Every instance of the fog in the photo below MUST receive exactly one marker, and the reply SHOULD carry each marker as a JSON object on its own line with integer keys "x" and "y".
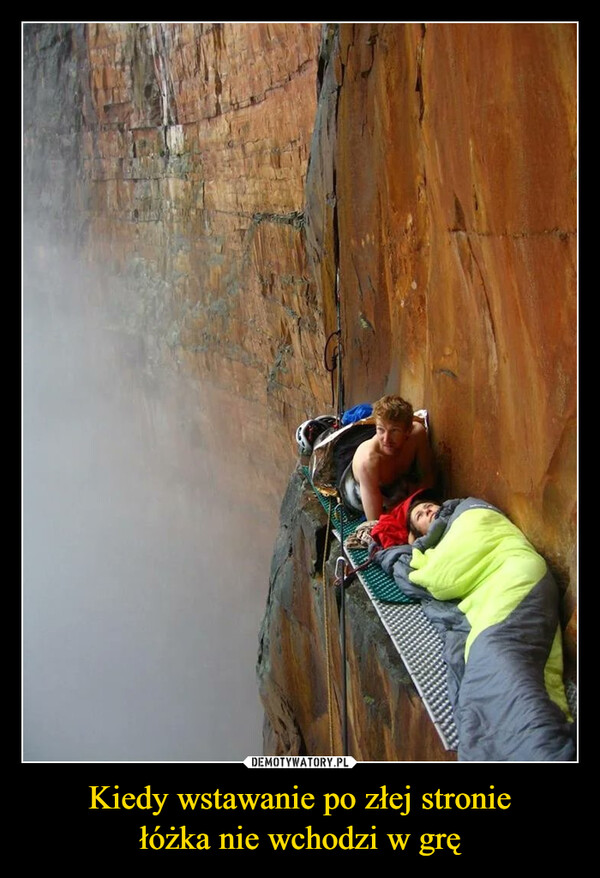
{"x": 143, "y": 585}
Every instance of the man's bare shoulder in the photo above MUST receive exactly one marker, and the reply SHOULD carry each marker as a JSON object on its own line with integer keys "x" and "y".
{"x": 418, "y": 431}
{"x": 366, "y": 457}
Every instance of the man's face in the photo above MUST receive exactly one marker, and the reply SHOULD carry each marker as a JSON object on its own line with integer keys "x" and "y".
{"x": 422, "y": 515}
{"x": 391, "y": 436}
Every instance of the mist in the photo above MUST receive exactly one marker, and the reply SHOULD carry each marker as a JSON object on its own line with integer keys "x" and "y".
{"x": 144, "y": 578}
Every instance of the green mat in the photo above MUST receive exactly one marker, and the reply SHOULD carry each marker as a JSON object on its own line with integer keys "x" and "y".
{"x": 377, "y": 582}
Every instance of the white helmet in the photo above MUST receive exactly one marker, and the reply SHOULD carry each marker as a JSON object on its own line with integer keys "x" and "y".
{"x": 310, "y": 430}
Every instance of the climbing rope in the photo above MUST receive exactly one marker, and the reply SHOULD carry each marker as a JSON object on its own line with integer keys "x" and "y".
{"x": 330, "y": 701}
{"x": 342, "y": 566}
{"x": 333, "y": 362}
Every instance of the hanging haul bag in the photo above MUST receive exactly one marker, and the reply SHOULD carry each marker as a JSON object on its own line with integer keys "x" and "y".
{"x": 334, "y": 450}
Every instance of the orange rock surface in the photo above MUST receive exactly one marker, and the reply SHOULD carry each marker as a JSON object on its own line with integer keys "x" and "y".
{"x": 454, "y": 159}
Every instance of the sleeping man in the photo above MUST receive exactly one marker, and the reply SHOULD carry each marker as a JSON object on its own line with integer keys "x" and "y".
{"x": 421, "y": 515}
{"x": 495, "y": 603}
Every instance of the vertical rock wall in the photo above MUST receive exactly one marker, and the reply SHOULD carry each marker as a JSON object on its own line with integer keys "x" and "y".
{"x": 442, "y": 182}
{"x": 444, "y": 162}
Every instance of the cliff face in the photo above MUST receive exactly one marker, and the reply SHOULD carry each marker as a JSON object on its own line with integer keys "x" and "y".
{"x": 453, "y": 149}
{"x": 442, "y": 181}
{"x": 219, "y": 173}
{"x": 182, "y": 151}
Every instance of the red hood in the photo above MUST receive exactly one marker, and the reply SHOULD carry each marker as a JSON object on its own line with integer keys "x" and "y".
{"x": 392, "y": 527}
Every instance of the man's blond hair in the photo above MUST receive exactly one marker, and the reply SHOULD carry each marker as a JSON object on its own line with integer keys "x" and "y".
{"x": 393, "y": 409}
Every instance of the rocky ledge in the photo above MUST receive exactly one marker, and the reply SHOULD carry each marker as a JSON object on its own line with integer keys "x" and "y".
{"x": 299, "y": 663}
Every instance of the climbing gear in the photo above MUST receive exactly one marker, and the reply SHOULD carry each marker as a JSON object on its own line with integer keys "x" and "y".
{"x": 309, "y": 431}
{"x": 361, "y": 538}
{"x": 342, "y": 587}
{"x": 349, "y": 572}
{"x": 340, "y": 412}
{"x": 333, "y": 452}
{"x": 333, "y": 359}
{"x": 330, "y": 361}
{"x": 357, "y": 413}
{"x": 380, "y": 585}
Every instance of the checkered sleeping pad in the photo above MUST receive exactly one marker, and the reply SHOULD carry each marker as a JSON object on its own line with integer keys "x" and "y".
{"x": 418, "y": 643}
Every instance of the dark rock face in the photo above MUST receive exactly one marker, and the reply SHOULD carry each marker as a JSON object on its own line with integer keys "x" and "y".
{"x": 53, "y": 126}
{"x": 299, "y": 665}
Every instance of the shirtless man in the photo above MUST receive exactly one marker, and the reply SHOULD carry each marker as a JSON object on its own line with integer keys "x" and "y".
{"x": 396, "y": 461}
